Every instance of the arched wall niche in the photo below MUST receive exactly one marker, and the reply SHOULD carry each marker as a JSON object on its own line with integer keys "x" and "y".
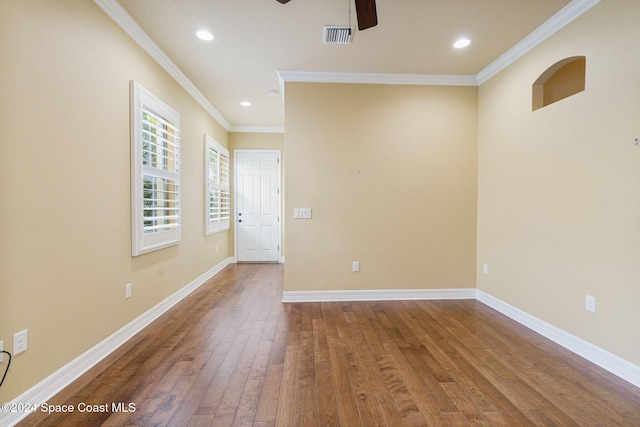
{"x": 563, "y": 79}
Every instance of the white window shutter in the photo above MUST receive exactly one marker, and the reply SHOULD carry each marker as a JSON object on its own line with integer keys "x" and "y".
{"x": 155, "y": 172}
{"x": 217, "y": 189}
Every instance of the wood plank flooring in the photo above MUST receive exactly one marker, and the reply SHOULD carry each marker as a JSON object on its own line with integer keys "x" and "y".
{"x": 231, "y": 354}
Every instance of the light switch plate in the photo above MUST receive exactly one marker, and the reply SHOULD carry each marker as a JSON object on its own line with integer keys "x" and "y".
{"x": 302, "y": 213}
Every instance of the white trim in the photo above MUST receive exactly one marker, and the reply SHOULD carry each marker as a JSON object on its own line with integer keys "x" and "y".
{"x": 60, "y": 379}
{"x": 567, "y": 14}
{"x": 142, "y": 242}
{"x": 378, "y": 295}
{"x": 56, "y": 382}
{"x": 120, "y": 16}
{"x": 218, "y": 225}
{"x": 131, "y": 27}
{"x": 609, "y": 361}
{"x": 257, "y": 129}
{"x": 378, "y": 78}
{"x": 281, "y": 82}
{"x": 594, "y": 354}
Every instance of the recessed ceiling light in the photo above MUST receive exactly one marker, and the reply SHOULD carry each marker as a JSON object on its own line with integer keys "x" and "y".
{"x": 462, "y": 43}
{"x": 245, "y": 103}
{"x": 204, "y": 35}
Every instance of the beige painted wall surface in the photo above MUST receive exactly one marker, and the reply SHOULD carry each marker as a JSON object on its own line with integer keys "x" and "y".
{"x": 256, "y": 141}
{"x": 559, "y": 205}
{"x": 390, "y": 175}
{"x": 259, "y": 141}
{"x": 65, "y": 245}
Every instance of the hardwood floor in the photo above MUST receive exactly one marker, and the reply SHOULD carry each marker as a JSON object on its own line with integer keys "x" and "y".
{"x": 231, "y": 354}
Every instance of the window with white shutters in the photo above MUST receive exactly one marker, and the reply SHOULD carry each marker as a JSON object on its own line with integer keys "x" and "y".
{"x": 217, "y": 192}
{"x": 155, "y": 172}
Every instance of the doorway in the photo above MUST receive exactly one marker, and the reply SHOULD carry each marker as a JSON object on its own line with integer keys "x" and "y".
{"x": 257, "y": 205}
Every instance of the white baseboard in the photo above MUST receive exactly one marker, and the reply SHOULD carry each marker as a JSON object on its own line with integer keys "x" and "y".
{"x": 594, "y": 354}
{"x": 609, "y": 361}
{"x": 64, "y": 376}
{"x": 60, "y": 379}
{"x": 378, "y": 295}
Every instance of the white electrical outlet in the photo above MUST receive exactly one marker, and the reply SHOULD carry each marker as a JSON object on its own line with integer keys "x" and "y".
{"x": 127, "y": 290}
{"x": 590, "y": 303}
{"x": 355, "y": 266}
{"x": 19, "y": 342}
{"x": 485, "y": 268}
{"x": 1, "y": 348}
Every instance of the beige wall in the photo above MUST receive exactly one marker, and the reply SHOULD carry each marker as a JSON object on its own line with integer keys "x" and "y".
{"x": 260, "y": 141}
{"x": 390, "y": 174}
{"x": 256, "y": 141}
{"x": 65, "y": 240}
{"x": 559, "y": 198}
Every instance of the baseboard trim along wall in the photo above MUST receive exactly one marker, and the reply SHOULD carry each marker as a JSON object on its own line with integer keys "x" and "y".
{"x": 594, "y": 354}
{"x": 60, "y": 379}
{"x": 378, "y": 295}
{"x": 56, "y": 382}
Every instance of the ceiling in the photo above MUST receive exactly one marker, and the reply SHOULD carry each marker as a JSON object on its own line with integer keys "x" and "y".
{"x": 254, "y": 39}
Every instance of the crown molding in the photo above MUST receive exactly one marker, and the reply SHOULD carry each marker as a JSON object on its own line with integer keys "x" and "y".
{"x": 378, "y": 78}
{"x": 567, "y": 14}
{"x": 550, "y": 26}
{"x": 570, "y": 12}
{"x": 131, "y": 27}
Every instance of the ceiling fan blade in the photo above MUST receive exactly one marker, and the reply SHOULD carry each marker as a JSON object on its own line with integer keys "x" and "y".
{"x": 367, "y": 15}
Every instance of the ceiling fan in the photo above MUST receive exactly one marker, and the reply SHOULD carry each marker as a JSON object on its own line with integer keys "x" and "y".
{"x": 366, "y": 12}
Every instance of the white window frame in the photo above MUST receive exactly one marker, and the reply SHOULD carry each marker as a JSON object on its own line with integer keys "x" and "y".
{"x": 156, "y": 163}
{"x": 217, "y": 189}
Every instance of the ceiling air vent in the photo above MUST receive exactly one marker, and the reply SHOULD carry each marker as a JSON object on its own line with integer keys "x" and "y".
{"x": 340, "y": 34}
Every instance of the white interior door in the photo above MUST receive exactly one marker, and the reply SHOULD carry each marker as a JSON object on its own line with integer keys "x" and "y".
{"x": 257, "y": 199}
